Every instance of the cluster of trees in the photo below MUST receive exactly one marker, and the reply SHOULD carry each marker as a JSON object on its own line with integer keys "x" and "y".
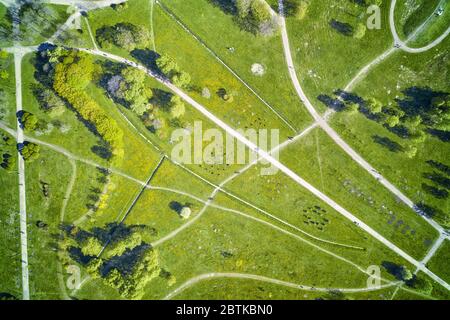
{"x": 37, "y": 19}
{"x": 415, "y": 122}
{"x": 73, "y": 72}
{"x": 49, "y": 101}
{"x": 127, "y": 263}
{"x": 28, "y": 121}
{"x": 117, "y": 248}
{"x": 132, "y": 284}
{"x": 254, "y": 16}
{"x": 123, "y": 35}
{"x": 296, "y": 8}
{"x": 30, "y": 151}
{"x": 170, "y": 69}
{"x": 8, "y": 162}
{"x": 357, "y": 31}
{"x": 440, "y": 187}
{"x": 130, "y": 86}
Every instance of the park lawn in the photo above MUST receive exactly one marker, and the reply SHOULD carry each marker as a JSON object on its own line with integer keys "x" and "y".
{"x": 283, "y": 198}
{"x": 96, "y": 289}
{"x": 368, "y": 250}
{"x": 121, "y": 194}
{"x": 170, "y": 175}
{"x": 220, "y": 242}
{"x": 318, "y": 160}
{"x": 326, "y": 60}
{"x": 245, "y": 111}
{"x": 336, "y": 230}
{"x": 83, "y": 191}
{"x": 10, "y": 258}
{"x": 84, "y": 142}
{"x": 6, "y": 24}
{"x": 137, "y": 13}
{"x": 219, "y": 32}
{"x": 139, "y": 157}
{"x": 8, "y": 86}
{"x": 409, "y": 15}
{"x": 204, "y": 69}
{"x": 400, "y": 72}
{"x": 435, "y": 29}
{"x": 78, "y": 139}
{"x": 55, "y": 170}
{"x": 156, "y": 210}
{"x": 248, "y": 289}
{"x": 439, "y": 262}
{"x": 74, "y": 38}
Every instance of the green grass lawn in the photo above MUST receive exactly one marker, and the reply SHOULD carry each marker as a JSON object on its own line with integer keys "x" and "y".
{"x": 172, "y": 176}
{"x": 409, "y": 15}
{"x": 8, "y": 88}
{"x": 10, "y": 265}
{"x": 219, "y": 242}
{"x": 53, "y": 169}
{"x": 154, "y": 209}
{"x": 326, "y": 60}
{"x": 439, "y": 262}
{"x": 322, "y": 163}
{"x": 437, "y": 26}
{"x": 220, "y": 33}
{"x": 169, "y": 38}
{"x": 391, "y": 78}
{"x": 245, "y": 111}
{"x": 245, "y": 289}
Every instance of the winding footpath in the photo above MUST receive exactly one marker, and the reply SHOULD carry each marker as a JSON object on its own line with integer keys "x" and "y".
{"x": 403, "y": 44}
{"x": 277, "y": 164}
{"x": 333, "y": 135}
{"x": 18, "y": 54}
{"x": 246, "y": 276}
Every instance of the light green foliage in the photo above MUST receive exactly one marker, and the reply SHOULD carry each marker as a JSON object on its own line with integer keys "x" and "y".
{"x": 410, "y": 151}
{"x": 134, "y": 90}
{"x": 405, "y": 273}
{"x": 392, "y": 120}
{"x": 9, "y": 162}
{"x": 71, "y": 76}
{"x": 123, "y": 35}
{"x": 91, "y": 246}
{"x": 181, "y": 79}
{"x": 254, "y": 15}
{"x": 30, "y": 151}
{"x": 302, "y": 10}
{"x": 4, "y": 75}
{"x": 360, "y": 31}
{"x": 117, "y": 248}
{"x": 374, "y": 105}
{"x": 170, "y": 68}
{"x": 29, "y": 121}
{"x": 177, "y": 108}
{"x": 352, "y": 108}
{"x": 132, "y": 285}
{"x": 93, "y": 267}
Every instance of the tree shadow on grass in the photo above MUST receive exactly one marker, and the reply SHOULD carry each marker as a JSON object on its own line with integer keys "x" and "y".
{"x": 148, "y": 58}
{"x": 387, "y": 143}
